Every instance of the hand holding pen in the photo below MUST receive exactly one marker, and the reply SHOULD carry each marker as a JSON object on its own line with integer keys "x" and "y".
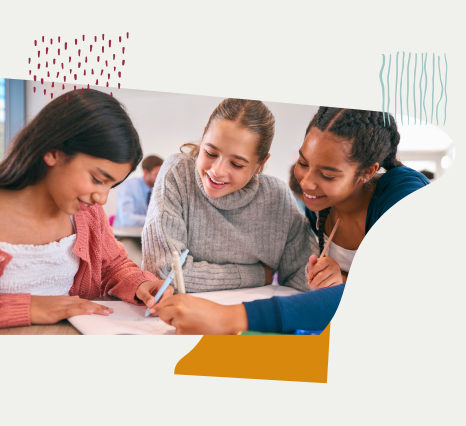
{"x": 163, "y": 288}
{"x": 324, "y": 272}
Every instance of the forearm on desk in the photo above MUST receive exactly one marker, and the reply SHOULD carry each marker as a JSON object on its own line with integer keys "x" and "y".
{"x": 204, "y": 276}
{"x": 307, "y": 311}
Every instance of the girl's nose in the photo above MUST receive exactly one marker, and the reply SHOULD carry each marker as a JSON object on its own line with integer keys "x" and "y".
{"x": 218, "y": 168}
{"x": 100, "y": 198}
{"x": 307, "y": 183}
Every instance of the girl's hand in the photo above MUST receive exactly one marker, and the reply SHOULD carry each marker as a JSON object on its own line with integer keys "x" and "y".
{"x": 148, "y": 289}
{"x": 193, "y": 315}
{"x": 51, "y": 309}
{"x": 323, "y": 272}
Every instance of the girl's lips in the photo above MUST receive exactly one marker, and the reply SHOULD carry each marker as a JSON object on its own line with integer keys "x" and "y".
{"x": 213, "y": 185}
{"x": 315, "y": 198}
{"x": 83, "y": 206}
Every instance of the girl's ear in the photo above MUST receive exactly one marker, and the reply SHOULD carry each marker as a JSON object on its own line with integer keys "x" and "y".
{"x": 260, "y": 167}
{"x": 51, "y": 157}
{"x": 369, "y": 173}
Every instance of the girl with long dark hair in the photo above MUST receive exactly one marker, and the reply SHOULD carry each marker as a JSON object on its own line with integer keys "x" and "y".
{"x": 56, "y": 246}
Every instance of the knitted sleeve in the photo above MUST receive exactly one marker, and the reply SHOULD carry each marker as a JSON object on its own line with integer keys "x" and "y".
{"x": 300, "y": 245}
{"x": 120, "y": 275}
{"x": 166, "y": 231}
{"x": 15, "y": 310}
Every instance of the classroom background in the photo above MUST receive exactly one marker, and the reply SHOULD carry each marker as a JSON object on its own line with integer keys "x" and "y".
{"x": 165, "y": 121}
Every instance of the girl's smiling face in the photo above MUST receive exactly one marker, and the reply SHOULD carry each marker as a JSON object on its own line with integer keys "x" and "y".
{"x": 227, "y": 158}
{"x": 324, "y": 172}
{"x": 79, "y": 182}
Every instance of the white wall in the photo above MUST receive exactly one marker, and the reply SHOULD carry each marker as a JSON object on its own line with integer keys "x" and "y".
{"x": 165, "y": 121}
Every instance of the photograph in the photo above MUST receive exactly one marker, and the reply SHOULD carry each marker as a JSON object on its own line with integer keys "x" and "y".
{"x": 138, "y": 212}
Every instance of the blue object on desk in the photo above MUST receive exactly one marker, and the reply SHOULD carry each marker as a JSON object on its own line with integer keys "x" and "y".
{"x": 167, "y": 282}
{"x": 305, "y": 332}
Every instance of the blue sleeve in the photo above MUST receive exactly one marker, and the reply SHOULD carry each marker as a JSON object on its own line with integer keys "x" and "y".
{"x": 307, "y": 311}
{"x": 392, "y": 187}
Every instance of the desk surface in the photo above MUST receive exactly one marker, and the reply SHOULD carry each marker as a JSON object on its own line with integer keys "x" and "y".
{"x": 127, "y": 231}
{"x": 60, "y": 328}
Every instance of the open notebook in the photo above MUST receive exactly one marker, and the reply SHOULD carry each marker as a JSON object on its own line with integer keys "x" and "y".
{"x": 129, "y": 319}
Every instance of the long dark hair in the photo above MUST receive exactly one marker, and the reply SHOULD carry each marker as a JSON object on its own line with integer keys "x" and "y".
{"x": 373, "y": 141}
{"x": 251, "y": 115}
{"x": 88, "y": 122}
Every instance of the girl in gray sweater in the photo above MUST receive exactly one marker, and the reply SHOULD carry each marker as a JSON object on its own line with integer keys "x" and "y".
{"x": 239, "y": 225}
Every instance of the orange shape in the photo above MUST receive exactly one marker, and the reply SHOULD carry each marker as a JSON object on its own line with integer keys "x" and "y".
{"x": 289, "y": 358}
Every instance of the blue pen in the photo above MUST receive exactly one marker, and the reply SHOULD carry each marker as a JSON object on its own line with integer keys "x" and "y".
{"x": 167, "y": 282}
{"x": 306, "y": 332}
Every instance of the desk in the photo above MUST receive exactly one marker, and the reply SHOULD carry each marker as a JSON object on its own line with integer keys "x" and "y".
{"x": 130, "y": 236}
{"x": 60, "y": 328}
{"x": 127, "y": 231}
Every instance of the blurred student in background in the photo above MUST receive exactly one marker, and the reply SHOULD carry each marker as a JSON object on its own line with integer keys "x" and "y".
{"x": 134, "y": 194}
{"x": 297, "y": 191}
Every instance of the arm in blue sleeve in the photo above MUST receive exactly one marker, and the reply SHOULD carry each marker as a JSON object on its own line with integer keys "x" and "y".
{"x": 126, "y": 209}
{"x": 307, "y": 311}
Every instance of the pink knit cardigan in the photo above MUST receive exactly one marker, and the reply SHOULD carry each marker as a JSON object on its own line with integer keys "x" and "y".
{"x": 104, "y": 269}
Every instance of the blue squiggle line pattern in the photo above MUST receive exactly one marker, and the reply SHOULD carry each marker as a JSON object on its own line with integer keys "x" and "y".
{"x": 436, "y": 98}
{"x": 425, "y": 86}
{"x": 440, "y": 75}
{"x": 388, "y": 89}
{"x": 446, "y": 72}
{"x": 433, "y": 82}
{"x": 401, "y": 86}
{"x": 420, "y": 88}
{"x": 407, "y": 87}
{"x": 383, "y": 89}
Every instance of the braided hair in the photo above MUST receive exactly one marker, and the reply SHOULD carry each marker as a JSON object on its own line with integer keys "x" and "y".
{"x": 373, "y": 141}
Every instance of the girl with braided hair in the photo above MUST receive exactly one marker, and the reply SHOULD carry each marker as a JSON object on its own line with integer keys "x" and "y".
{"x": 342, "y": 152}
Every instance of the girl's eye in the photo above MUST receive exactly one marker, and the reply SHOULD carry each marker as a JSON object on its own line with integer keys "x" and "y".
{"x": 326, "y": 177}
{"x": 97, "y": 181}
{"x": 302, "y": 164}
{"x": 237, "y": 166}
{"x": 209, "y": 154}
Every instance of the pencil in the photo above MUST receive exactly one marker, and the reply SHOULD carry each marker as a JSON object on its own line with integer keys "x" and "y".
{"x": 327, "y": 245}
{"x": 178, "y": 273}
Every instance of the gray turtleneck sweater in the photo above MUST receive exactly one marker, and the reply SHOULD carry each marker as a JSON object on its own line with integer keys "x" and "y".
{"x": 227, "y": 237}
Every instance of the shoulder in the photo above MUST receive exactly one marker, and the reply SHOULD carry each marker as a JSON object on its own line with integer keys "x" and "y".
{"x": 275, "y": 194}
{"x": 177, "y": 166}
{"x": 392, "y": 187}
{"x": 177, "y": 161}
{"x": 401, "y": 176}
{"x": 93, "y": 218}
{"x": 397, "y": 183}
{"x": 273, "y": 184}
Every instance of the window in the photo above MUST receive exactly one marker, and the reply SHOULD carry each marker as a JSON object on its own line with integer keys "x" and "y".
{"x": 12, "y": 110}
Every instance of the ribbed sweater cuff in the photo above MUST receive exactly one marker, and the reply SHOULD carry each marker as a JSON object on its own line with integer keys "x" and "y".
{"x": 264, "y": 315}
{"x": 251, "y": 275}
{"x": 15, "y": 310}
{"x": 126, "y": 289}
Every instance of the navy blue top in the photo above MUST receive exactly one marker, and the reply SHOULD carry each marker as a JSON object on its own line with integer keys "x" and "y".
{"x": 314, "y": 310}
{"x": 392, "y": 187}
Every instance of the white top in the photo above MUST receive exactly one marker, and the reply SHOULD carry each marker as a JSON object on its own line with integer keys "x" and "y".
{"x": 44, "y": 270}
{"x": 342, "y": 256}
